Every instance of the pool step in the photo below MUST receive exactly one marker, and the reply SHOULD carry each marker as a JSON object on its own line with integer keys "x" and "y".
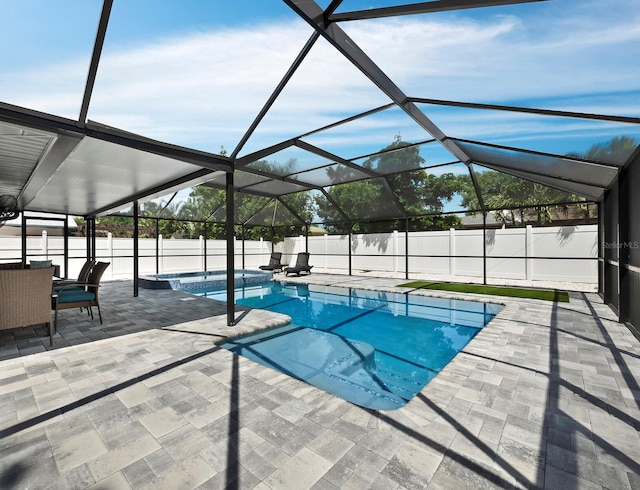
{"x": 363, "y": 374}
{"x": 348, "y": 368}
{"x": 401, "y": 385}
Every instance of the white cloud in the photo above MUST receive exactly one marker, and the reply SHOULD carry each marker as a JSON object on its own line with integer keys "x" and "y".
{"x": 496, "y": 59}
{"x": 204, "y": 90}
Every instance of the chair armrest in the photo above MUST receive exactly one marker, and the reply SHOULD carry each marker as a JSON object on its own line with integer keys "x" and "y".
{"x": 69, "y": 282}
{"x": 68, "y": 285}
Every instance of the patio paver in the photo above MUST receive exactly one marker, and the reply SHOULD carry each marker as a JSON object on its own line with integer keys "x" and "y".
{"x": 547, "y": 395}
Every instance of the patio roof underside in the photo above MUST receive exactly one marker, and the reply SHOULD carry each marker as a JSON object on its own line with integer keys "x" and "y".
{"x": 338, "y": 115}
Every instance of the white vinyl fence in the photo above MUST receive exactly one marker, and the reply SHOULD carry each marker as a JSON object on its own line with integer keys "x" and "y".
{"x": 567, "y": 254}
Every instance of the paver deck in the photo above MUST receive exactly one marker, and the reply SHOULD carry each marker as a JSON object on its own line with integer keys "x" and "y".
{"x": 546, "y": 396}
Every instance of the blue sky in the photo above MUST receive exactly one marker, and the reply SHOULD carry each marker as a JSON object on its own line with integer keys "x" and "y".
{"x": 197, "y": 72}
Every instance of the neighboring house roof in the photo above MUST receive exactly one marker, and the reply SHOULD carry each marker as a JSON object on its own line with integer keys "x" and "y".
{"x": 35, "y": 228}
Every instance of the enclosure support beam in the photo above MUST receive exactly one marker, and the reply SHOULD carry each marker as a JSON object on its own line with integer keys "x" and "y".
{"x": 484, "y": 248}
{"x": 611, "y": 238}
{"x": 93, "y": 240}
{"x": 231, "y": 320}
{"x": 242, "y": 235}
{"x": 283, "y": 82}
{"x": 95, "y": 59}
{"x": 205, "y": 232}
{"x": 476, "y": 188}
{"x": 418, "y": 8}
{"x": 90, "y": 231}
{"x": 24, "y": 240}
{"x": 623, "y": 241}
{"x": 65, "y": 241}
{"x": 311, "y": 12}
{"x": 601, "y": 218}
{"x": 629, "y": 205}
{"x": 350, "y": 227}
{"x": 406, "y": 249}
{"x": 157, "y": 246}
{"x": 136, "y": 249}
{"x": 290, "y": 209}
{"x": 87, "y": 237}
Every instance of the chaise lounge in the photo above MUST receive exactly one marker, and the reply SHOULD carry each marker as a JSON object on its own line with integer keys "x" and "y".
{"x": 274, "y": 263}
{"x": 302, "y": 265}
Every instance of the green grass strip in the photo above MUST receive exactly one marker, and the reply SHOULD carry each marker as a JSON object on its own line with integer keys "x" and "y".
{"x": 544, "y": 294}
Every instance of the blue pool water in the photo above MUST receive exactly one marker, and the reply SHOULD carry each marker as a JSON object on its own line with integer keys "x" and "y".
{"x": 372, "y": 348}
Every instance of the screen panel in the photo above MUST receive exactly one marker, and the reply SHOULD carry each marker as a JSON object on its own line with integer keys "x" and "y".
{"x": 561, "y": 168}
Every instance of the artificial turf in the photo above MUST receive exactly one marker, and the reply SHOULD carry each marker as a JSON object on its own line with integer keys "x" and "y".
{"x": 544, "y": 294}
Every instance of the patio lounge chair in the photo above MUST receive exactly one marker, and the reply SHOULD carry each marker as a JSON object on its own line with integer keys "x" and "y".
{"x": 83, "y": 276}
{"x": 79, "y": 294}
{"x": 302, "y": 265}
{"x": 274, "y": 263}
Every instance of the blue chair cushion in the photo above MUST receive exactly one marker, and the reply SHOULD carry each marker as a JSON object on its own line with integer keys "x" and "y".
{"x": 39, "y": 264}
{"x": 73, "y": 295}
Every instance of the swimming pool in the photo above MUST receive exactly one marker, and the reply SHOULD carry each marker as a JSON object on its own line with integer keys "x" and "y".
{"x": 375, "y": 349}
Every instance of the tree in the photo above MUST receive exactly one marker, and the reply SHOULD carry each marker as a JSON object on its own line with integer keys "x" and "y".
{"x": 505, "y": 192}
{"x": 616, "y": 150}
{"x": 408, "y": 186}
{"x": 509, "y": 195}
{"x": 208, "y": 203}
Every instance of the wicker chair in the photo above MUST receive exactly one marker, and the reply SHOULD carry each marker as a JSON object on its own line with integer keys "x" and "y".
{"x": 25, "y": 297}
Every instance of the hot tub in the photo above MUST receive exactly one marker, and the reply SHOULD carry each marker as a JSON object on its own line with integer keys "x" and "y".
{"x": 193, "y": 282}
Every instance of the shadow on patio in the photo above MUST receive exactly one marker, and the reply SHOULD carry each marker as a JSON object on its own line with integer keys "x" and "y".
{"x": 545, "y": 396}
{"x": 122, "y": 315}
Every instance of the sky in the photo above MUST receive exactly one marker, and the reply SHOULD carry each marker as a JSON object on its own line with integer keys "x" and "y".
{"x": 196, "y": 73}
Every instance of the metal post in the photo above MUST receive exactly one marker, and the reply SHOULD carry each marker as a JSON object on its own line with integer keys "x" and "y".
{"x": 157, "y": 246}
{"x": 230, "y": 251}
{"x": 87, "y": 236}
{"x": 204, "y": 231}
{"x": 601, "y": 249}
{"x": 624, "y": 238}
{"x": 94, "y": 249}
{"x": 306, "y": 237}
{"x": 135, "y": 249}
{"x": 406, "y": 250}
{"x": 66, "y": 246}
{"x": 24, "y": 241}
{"x": 94, "y": 253}
{"x": 484, "y": 248}
{"x": 350, "y": 249}
{"x": 242, "y": 229}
